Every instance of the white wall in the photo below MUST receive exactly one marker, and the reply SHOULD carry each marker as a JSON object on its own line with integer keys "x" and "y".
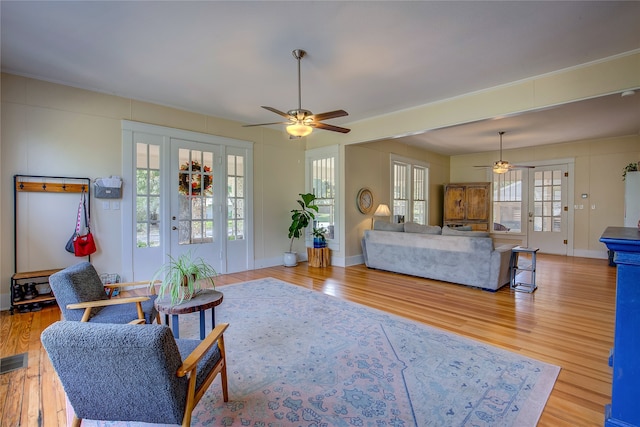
{"x": 598, "y": 168}
{"x": 55, "y": 130}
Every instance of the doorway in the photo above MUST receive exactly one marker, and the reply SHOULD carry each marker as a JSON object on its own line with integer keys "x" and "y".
{"x": 187, "y": 192}
{"x": 548, "y": 209}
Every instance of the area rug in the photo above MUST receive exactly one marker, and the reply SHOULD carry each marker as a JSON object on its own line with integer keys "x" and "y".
{"x": 297, "y": 357}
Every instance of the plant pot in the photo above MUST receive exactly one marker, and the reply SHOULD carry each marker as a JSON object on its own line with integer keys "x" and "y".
{"x": 290, "y": 259}
{"x": 319, "y": 242}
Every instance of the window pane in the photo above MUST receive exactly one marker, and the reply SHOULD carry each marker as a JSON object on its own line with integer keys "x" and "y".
{"x": 235, "y": 197}
{"x": 154, "y": 182}
{"x": 537, "y": 223}
{"x": 507, "y": 201}
{"x": 141, "y": 156}
{"x": 323, "y": 187}
{"x": 147, "y": 190}
{"x": 142, "y": 176}
{"x": 141, "y": 209}
{"x": 507, "y": 216}
{"x": 141, "y": 235}
{"x": 154, "y": 157}
{"x": 419, "y": 212}
{"x": 410, "y": 191}
{"x": 154, "y": 209}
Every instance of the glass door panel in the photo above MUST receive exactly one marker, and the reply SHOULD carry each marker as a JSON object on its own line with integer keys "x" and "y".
{"x": 195, "y": 195}
{"x": 547, "y": 213}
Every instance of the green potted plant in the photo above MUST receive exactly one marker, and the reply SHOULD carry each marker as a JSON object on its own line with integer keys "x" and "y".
{"x": 631, "y": 167}
{"x": 182, "y": 277}
{"x": 300, "y": 220}
{"x": 319, "y": 237}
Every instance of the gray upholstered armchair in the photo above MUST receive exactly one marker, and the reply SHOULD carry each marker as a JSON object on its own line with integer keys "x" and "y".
{"x": 82, "y": 297}
{"x": 158, "y": 379}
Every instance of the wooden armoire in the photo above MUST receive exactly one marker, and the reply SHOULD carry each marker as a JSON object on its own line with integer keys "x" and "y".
{"x": 467, "y": 203}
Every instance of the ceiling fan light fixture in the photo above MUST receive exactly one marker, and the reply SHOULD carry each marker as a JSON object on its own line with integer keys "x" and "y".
{"x": 501, "y": 167}
{"x": 299, "y": 130}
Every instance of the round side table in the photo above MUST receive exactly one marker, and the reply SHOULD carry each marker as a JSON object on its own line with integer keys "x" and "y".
{"x": 203, "y": 300}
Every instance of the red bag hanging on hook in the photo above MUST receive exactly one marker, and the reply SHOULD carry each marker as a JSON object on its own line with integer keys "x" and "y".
{"x": 84, "y": 244}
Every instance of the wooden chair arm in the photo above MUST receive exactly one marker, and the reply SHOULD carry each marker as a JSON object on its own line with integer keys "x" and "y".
{"x": 111, "y": 287}
{"x": 106, "y": 302}
{"x": 191, "y": 362}
{"x": 88, "y": 305}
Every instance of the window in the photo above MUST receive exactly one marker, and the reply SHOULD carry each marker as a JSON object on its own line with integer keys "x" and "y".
{"x": 410, "y": 185}
{"x": 507, "y": 201}
{"x": 235, "y": 197}
{"x": 322, "y": 173}
{"x": 147, "y": 195}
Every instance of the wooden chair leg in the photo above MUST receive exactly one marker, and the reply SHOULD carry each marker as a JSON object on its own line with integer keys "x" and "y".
{"x": 76, "y": 421}
{"x": 223, "y": 376}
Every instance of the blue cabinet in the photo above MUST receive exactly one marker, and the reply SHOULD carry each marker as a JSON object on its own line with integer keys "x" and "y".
{"x": 624, "y": 409}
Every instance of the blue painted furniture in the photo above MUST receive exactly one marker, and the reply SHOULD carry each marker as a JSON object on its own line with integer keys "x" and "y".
{"x": 624, "y": 409}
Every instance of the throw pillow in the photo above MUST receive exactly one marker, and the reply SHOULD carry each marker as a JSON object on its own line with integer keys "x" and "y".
{"x": 387, "y": 226}
{"x": 412, "y": 227}
{"x": 446, "y": 231}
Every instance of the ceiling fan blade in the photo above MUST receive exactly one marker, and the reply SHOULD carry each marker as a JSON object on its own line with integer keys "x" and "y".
{"x": 523, "y": 167}
{"x": 266, "y": 124}
{"x": 280, "y": 113}
{"x": 330, "y": 127}
{"x": 329, "y": 115}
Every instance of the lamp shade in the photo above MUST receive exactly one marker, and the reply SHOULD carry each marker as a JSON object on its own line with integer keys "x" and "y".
{"x": 382, "y": 210}
{"x": 299, "y": 129}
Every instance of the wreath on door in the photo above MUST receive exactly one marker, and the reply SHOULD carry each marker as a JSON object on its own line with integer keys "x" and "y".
{"x": 193, "y": 183}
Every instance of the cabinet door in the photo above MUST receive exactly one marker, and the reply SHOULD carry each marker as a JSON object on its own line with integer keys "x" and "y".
{"x": 454, "y": 203}
{"x": 477, "y": 203}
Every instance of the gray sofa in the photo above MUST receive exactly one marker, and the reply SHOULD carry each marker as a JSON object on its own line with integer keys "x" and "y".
{"x": 464, "y": 257}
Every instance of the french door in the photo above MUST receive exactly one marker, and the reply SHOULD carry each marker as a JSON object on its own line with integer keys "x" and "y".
{"x": 188, "y": 192}
{"x": 196, "y": 197}
{"x": 548, "y": 209}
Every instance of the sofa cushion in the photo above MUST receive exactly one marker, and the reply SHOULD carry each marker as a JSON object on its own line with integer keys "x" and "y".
{"x": 387, "y": 226}
{"x": 412, "y": 227}
{"x": 446, "y": 231}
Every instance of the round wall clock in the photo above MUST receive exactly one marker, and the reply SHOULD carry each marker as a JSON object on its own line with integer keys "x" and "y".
{"x": 364, "y": 200}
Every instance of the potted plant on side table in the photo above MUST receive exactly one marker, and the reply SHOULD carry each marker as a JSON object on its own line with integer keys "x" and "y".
{"x": 300, "y": 220}
{"x": 319, "y": 237}
{"x": 182, "y": 277}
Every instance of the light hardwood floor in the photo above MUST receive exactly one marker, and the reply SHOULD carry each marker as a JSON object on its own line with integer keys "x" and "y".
{"x": 568, "y": 322}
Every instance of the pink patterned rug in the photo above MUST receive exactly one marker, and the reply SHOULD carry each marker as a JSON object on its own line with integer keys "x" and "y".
{"x": 297, "y": 357}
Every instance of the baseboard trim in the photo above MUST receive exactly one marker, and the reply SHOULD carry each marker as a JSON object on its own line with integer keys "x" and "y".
{"x": 584, "y": 253}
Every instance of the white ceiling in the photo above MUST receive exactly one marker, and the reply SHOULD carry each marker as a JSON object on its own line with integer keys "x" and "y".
{"x": 226, "y": 59}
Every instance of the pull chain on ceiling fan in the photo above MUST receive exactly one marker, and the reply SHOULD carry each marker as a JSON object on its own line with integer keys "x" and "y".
{"x": 503, "y": 166}
{"x": 300, "y": 121}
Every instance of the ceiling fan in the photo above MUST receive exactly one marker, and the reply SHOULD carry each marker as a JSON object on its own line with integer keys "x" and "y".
{"x": 503, "y": 166}
{"x": 300, "y": 121}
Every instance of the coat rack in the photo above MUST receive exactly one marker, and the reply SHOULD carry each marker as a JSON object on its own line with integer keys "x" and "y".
{"x": 40, "y": 184}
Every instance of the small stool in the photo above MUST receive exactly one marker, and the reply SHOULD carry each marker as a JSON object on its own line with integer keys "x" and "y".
{"x": 523, "y": 276}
